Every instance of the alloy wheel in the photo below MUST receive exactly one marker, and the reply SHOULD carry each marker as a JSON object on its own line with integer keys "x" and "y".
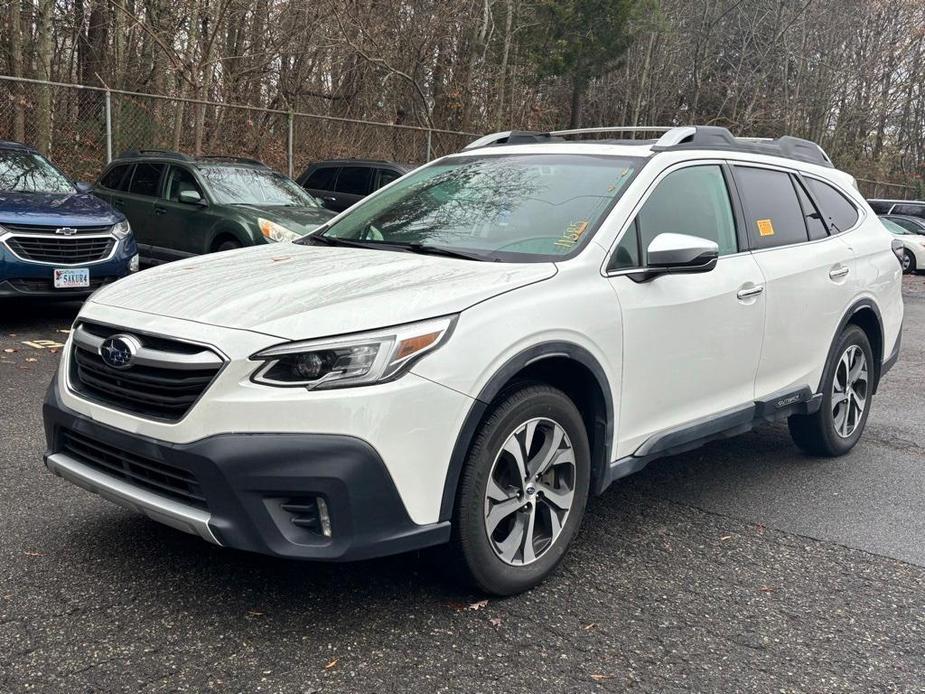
{"x": 530, "y": 491}
{"x": 850, "y": 389}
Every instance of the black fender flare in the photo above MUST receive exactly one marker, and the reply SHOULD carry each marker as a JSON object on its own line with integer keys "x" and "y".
{"x": 496, "y": 384}
{"x": 846, "y": 318}
{"x": 238, "y": 233}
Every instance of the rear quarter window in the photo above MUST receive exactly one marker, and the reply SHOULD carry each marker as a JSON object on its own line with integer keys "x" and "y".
{"x": 839, "y": 212}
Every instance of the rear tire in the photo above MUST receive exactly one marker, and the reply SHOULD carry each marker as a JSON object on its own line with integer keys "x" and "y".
{"x": 847, "y": 391}
{"x": 523, "y": 491}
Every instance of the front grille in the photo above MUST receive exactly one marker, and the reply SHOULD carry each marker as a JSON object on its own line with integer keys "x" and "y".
{"x": 33, "y": 285}
{"x": 153, "y": 475}
{"x": 45, "y": 229}
{"x": 166, "y": 378}
{"x": 67, "y": 251}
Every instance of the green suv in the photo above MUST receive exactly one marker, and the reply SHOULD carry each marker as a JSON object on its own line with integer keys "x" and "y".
{"x": 180, "y": 206}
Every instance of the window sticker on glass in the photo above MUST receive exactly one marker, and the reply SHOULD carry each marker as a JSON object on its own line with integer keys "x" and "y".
{"x": 572, "y": 234}
{"x": 765, "y": 228}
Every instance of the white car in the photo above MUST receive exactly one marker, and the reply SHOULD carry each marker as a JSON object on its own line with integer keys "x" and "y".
{"x": 471, "y": 352}
{"x": 913, "y": 254}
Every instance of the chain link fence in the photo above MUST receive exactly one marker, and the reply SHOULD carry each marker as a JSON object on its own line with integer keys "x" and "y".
{"x": 82, "y": 128}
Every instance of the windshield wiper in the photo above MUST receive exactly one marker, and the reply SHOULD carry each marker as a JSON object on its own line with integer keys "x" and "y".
{"x": 347, "y": 243}
{"x": 424, "y": 249}
{"x": 412, "y": 247}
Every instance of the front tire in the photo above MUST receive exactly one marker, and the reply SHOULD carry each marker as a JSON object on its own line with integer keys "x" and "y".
{"x": 908, "y": 262}
{"x": 847, "y": 389}
{"x": 523, "y": 491}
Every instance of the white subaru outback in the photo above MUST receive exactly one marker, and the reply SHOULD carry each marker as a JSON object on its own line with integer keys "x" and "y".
{"x": 468, "y": 354}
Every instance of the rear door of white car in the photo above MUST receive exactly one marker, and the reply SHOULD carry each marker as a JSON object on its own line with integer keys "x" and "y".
{"x": 807, "y": 273}
{"x": 691, "y": 342}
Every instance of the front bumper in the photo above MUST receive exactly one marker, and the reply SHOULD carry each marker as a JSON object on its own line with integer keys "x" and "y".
{"x": 27, "y": 279}
{"x": 246, "y": 479}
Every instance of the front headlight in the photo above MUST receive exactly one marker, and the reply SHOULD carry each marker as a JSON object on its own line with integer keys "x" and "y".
{"x": 351, "y": 360}
{"x": 122, "y": 229}
{"x": 276, "y": 232}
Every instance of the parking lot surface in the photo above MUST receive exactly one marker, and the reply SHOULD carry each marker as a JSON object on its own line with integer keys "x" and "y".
{"x": 742, "y": 566}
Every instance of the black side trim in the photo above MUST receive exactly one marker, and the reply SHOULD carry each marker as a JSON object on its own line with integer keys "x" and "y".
{"x": 891, "y": 360}
{"x": 494, "y": 386}
{"x": 849, "y": 314}
{"x": 727, "y": 424}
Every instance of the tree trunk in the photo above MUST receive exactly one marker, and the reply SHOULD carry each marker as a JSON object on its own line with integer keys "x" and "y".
{"x": 15, "y": 43}
{"x": 43, "y": 54}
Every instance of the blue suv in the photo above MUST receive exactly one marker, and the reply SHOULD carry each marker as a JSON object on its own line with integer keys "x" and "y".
{"x": 56, "y": 238}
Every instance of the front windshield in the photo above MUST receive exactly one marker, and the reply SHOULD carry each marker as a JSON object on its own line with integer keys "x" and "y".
{"x": 518, "y": 207}
{"x": 27, "y": 172}
{"x": 244, "y": 185}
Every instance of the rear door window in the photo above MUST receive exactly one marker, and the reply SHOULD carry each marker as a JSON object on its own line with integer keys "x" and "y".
{"x": 115, "y": 178}
{"x": 147, "y": 178}
{"x": 773, "y": 215}
{"x": 840, "y": 213}
{"x": 323, "y": 178}
{"x": 355, "y": 180}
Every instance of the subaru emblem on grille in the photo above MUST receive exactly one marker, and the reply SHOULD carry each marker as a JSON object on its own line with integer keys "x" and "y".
{"x": 66, "y": 231}
{"x": 119, "y": 351}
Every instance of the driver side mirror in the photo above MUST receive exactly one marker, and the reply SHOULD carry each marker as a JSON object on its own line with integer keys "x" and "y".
{"x": 678, "y": 253}
{"x": 190, "y": 197}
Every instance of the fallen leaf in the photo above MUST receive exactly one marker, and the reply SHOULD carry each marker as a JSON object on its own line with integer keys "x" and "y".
{"x": 725, "y": 537}
{"x": 34, "y": 554}
{"x": 331, "y": 664}
{"x": 31, "y": 359}
{"x": 495, "y": 621}
{"x": 767, "y": 589}
{"x": 10, "y": 350}
{"x": 588, "y": 627}
{"x": 254, "y": 613}
{"x": 601, "y": 678}
{"x": 477, "y": 605}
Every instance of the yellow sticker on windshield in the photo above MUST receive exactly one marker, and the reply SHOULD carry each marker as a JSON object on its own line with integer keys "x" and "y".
{"x": 765, "y": 228}
{"x": 572, "y": 234}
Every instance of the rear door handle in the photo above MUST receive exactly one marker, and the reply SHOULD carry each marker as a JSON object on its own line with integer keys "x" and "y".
{"x": 159, "y": 210}
{"x": 750, "y": 292}
{"x": 840, "y": 271}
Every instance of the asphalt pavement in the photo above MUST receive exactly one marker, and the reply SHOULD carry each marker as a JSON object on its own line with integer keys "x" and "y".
{"x": 742, "y": 566}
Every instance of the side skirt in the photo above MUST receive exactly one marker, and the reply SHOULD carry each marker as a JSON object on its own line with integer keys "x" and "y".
{"x": 724, "y": 425}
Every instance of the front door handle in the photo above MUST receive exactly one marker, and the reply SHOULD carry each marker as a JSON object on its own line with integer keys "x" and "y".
{"x": 159, "y": 210}
{"x": 750, "y": 292}
{"x": 838, "y": 272}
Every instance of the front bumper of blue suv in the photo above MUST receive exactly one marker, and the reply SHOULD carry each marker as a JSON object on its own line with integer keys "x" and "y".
{"x": 22, "y": 276}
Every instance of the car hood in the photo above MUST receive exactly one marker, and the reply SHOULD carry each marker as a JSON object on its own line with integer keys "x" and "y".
{"x": 301, "y": 220}
{"x": 56, "y": 209}
{"x": 300, "y": 292}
